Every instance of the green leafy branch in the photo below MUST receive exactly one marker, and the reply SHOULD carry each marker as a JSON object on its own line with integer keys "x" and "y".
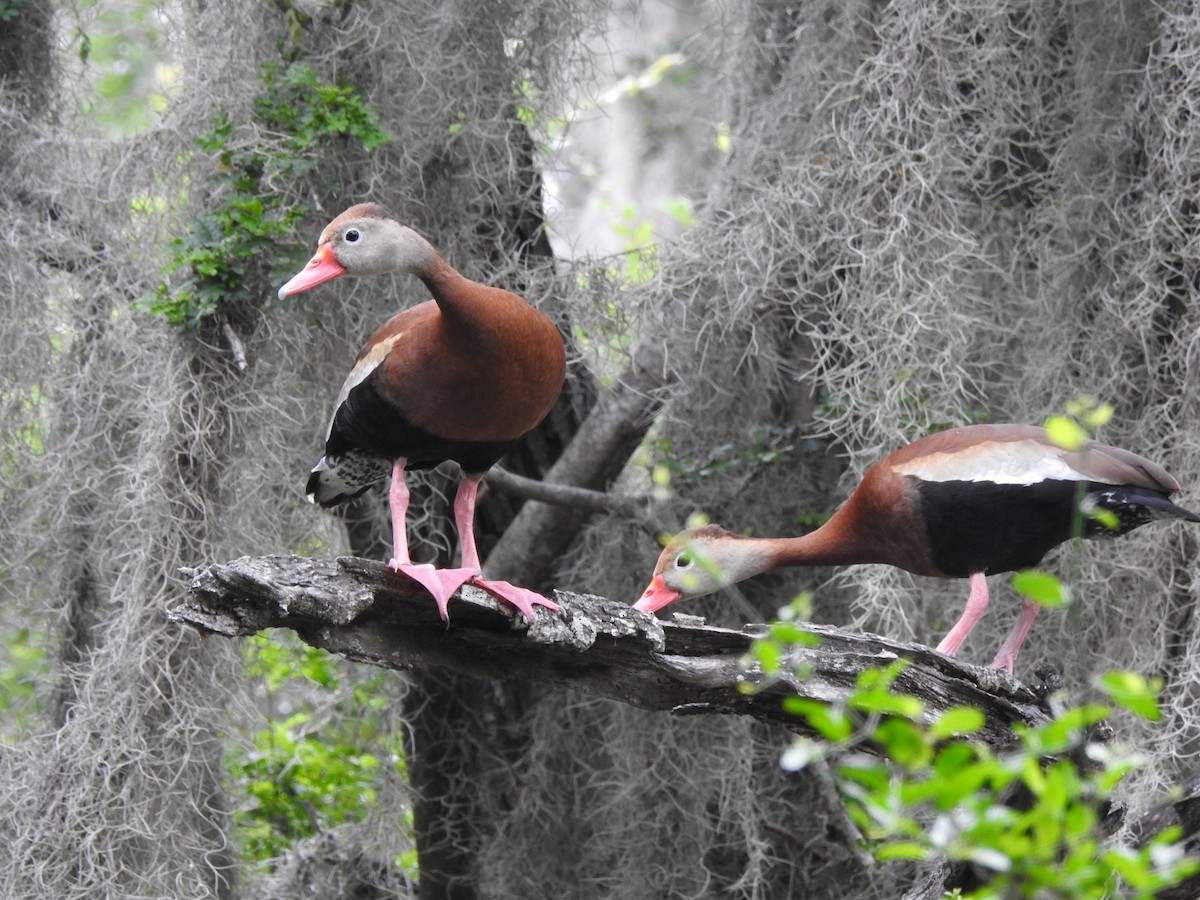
{"x": 1030, "y": 820}
{"x": 232, "y": 254}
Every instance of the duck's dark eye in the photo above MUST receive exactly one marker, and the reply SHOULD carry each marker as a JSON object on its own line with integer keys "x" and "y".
{"x": 684, "y": 560}
{"x": 352, "y": 236}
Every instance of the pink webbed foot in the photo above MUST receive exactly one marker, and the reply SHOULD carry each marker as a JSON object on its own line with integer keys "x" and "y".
{"x": 522, "y": 598}
{"x": 441, "y": 583}
{"x": 464, "y": 517}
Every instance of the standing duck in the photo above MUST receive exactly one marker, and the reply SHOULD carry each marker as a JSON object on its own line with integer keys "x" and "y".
{"x": 964, "y": 503}
{"x": 460, "y": 377}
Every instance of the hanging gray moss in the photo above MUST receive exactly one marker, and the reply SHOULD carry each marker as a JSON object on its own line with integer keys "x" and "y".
{"x": 927, "y": 215}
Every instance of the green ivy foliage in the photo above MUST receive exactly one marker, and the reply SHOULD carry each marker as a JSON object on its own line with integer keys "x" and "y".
{"x": 1030, "y": 819}
{"x": 232, "y": 254}
{"x": 10, "y": 9}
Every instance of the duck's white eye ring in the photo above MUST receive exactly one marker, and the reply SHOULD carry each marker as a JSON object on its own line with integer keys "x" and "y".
{"x": 352, "y": 235}
{"x": 684, "y": 560}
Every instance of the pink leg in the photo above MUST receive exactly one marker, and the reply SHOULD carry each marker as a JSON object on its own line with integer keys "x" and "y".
{"x": 464, "y": 517}
{"x": 398, "y": 501}
{"x": 464, "y": 520}
{"x": 1006, "y": 656}
{"x": 976, "y": 604}
{"x": 441, "y": 583}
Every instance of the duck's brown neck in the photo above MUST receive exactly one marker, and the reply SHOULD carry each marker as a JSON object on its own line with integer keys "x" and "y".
{"x": 446, "y": 285}
{"x": 833, "y": 544}
{"x": 845, "y": 539}
{"x": 474, "y": 309}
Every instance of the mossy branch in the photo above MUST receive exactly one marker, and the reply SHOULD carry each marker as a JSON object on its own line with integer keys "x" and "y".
{"x": 362, "y": 610}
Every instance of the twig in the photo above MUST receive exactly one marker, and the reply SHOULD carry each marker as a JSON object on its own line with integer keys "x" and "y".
{"x": 235, "y": 346}
{"x": 568, "y": 495}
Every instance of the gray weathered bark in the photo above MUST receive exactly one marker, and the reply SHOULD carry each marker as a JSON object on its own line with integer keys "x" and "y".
{"x": 360, "y": 609}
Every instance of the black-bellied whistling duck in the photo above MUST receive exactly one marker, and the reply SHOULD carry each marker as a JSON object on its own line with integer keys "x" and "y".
{"x": 964, "y": 503}
{"x": 460, "y": 377}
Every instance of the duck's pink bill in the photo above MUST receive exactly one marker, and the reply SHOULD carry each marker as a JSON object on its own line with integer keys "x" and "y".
{"x": 321, "y": 268}
{"x": 656, "y": 596}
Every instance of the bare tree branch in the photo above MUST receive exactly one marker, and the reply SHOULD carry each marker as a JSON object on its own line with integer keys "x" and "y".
{"x": 364, "y": 611}
{"x": 567, "y": 495}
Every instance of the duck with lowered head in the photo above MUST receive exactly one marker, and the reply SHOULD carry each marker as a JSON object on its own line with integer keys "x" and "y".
{"x": 964, "y": 503}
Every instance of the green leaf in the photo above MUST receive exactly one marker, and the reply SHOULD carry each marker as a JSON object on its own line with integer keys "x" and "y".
{"x": 902, "y": 850}
{"x": 950, "y": 790}
{"x": 905, "y": 742}
{"x": 1063, "y": 732}
{"x": 866, "y": 771}
{"x": 957, "y": 720}
{"x": 1107, "y": 781}
{"x": 723, "y": 137}
{"x": 1135, "y": 692}
{"x": 1042, "y": 588}
{"x": 790, "y": 634}
{"x": 832, "y": 723}
{"x": 1105, "y": 517}
{"x": 890, "y": 704}
{"x": 768, "y": 653}
{"x": 1079, "y": 820}
{"x": 1066, "y": 432}
{"x": 880, "y": 678}
{"x": 954, "y": 757}
{"x": 1090, "y": 412}
{"x": 680, "y": 209}
{"x": 1132, "y": 870}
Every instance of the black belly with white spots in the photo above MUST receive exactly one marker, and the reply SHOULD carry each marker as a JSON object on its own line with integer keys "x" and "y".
{"x": 980, "y": 526}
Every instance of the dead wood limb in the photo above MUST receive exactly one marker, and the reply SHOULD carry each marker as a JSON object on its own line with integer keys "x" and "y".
{"x": 362, "y": 610}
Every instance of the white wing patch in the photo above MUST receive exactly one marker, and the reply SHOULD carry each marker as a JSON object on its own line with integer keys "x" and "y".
{"x": 359, "y": 373}
{"x": 1007, "y": 462}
